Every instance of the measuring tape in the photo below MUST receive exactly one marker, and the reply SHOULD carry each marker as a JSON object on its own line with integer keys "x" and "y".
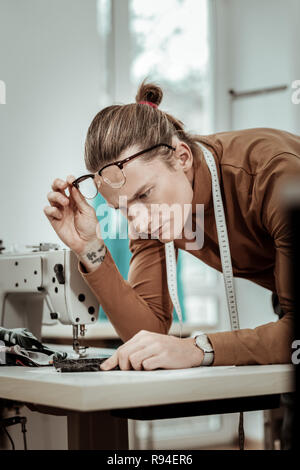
{"x": 225, "y": 260}
{"x": 223, "y": 240}
{"x": 223, "y": 246}
{"x": 172, "y": 280}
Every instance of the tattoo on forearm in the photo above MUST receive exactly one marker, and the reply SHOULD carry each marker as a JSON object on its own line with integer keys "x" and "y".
{"x": 93, "y": 256}
{"x": 98, "y": 260}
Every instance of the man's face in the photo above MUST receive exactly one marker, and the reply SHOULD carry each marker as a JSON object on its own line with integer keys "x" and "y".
{"x": 160, "y": 193}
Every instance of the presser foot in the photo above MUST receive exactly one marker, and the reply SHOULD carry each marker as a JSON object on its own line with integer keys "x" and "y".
{"x": 80, "y": 350}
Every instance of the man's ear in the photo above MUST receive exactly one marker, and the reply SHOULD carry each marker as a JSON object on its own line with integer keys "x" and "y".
{"x": 184, "y": 156}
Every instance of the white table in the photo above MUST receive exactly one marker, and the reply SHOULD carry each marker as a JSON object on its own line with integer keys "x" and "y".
{"x": 97, "y": 401}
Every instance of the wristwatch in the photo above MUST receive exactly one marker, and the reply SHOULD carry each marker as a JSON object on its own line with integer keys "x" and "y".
{"x": 202, "y": 342}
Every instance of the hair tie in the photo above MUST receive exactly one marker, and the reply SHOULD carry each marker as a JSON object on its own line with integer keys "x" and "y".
{"x": 149, "y": 103}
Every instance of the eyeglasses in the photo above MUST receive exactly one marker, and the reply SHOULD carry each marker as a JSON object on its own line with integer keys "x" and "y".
{"x": 112, "y": 174}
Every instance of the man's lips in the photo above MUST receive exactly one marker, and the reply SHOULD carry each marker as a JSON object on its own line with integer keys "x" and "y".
{"x": 154, "y": 233}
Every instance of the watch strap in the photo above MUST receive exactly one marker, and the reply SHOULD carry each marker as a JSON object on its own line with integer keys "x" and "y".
{"x": 208, "y": 356}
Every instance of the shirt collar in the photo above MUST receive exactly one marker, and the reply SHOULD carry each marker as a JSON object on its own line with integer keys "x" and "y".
{"x": 202, "y": 190}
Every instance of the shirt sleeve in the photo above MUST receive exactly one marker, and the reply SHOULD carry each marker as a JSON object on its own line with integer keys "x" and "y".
{"x": 269, "y": 343}
{"x": 140, "y": 303}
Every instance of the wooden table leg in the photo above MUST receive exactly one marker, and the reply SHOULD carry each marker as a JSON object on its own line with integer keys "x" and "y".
{"x": 97, "y": 430}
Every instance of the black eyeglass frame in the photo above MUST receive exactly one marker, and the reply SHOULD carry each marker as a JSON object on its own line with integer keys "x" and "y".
{"x": 119, "y": 164}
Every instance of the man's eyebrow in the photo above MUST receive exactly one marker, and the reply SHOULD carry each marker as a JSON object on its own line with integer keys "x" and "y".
{"x": 137, "y": 193}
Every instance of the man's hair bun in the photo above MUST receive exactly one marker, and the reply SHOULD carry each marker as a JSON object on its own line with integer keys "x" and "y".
{"x": 149, "y": 92}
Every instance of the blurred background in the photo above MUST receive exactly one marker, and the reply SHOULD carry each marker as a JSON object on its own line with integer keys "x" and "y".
{"x": 222, "y": 65}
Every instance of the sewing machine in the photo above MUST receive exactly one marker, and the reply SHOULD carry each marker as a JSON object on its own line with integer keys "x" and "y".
{"x": 43, "y": 286}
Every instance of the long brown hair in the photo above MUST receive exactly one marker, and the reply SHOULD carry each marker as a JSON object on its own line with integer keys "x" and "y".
{"x": 117, "y": 127}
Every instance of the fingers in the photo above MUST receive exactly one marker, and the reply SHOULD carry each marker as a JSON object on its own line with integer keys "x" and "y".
{"x": 111, "y": 362}
{"x": 154, "y": 362}
{"x": 79, "y": 199}
{"x": 76, "y": 195}
{"x": 55, "y": 197}
{"x": 70, "y": 179}
{"x": 132, "y": 354}
{"x": 52, "y": 213}
{"x": 58, "y": 198}
{"x": 120, "y": 357}
{"x": 60, "y": 185}
{"x": 145, "y": 358}
{"x": 139, "y": 358}
{"x": 127, "y": 352}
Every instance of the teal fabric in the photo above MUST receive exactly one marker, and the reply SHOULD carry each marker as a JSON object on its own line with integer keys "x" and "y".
{"x": 119, "y": 249}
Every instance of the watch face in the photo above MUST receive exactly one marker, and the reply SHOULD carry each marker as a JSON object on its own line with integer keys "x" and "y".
{"x": 203, "y": 343}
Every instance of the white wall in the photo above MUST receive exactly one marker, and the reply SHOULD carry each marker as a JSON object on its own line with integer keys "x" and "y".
{"x": 257, "y": 46}
{"x": 295, "y": 64}
{"x": 50, "y": 62}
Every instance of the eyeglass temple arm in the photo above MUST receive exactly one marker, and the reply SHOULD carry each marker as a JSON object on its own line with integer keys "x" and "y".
{"x": 121, "y": 163}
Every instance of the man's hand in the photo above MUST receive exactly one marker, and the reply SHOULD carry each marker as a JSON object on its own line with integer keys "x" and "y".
{"x": 147, "y": 351}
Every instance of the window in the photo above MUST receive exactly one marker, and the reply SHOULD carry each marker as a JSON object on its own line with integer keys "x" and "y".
{"x": 167, "y": 42}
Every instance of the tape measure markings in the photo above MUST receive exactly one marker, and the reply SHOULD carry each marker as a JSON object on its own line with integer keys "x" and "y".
{"x": 225, "y": 260}
{"x": 223, "y": 246}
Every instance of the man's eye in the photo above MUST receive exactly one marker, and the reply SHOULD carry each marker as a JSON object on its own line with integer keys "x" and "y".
{"x": 144, "y": 195}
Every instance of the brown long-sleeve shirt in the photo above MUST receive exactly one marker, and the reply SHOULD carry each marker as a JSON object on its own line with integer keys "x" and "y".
{"x": 252, "y": 165}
